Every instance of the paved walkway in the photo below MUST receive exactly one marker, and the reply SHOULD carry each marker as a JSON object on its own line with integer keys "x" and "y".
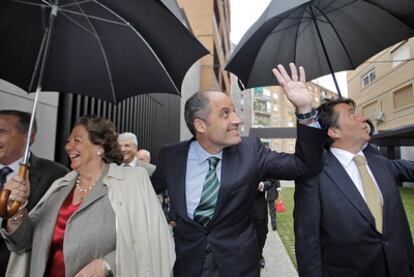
{"x": 278, "y": 263}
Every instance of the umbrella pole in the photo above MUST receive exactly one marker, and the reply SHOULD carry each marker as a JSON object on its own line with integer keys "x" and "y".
{"x": 315, "y": 21}
{"x": 5, "y": 211}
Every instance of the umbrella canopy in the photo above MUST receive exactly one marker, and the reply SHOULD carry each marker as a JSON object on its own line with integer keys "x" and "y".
{"x": 101, "y": 48}
{"x": 106, "y": 49}
{"x": 324, "y": 36}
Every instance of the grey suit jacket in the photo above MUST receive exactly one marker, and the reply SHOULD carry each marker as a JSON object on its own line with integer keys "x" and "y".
{"x": 150, "y": 168}
{"x": 90, "y": 232}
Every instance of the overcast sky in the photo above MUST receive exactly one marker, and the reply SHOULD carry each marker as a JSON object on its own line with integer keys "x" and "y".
{"x": 245, "y": 12}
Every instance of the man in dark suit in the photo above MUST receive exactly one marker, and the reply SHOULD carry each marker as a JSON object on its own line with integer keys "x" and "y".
{"x": 350, "y": 221}
{"x": 13, "y": 131}
{"x": 212, "y": 180}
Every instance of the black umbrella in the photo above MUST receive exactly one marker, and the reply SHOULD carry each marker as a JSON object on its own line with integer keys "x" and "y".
{"x": 324, "y": 36}
{"x": 101, "y": 48}
{"x": 109, "y": 49}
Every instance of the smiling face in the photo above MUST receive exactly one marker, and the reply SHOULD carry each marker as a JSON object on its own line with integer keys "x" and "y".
{"x": 220, "y": 129}
{"x": 351, "y": 132}
{"x": 128, "y": 149}
{"x": 83, "y": 154}
{"x": 12, "y": 141}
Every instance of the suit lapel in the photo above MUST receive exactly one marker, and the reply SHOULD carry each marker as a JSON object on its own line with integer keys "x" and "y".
{"x": 229, "y": 167}
{"x": 34, "y": 176}
{"x": 180, "y": 168}
{"x": 340, "y": 178}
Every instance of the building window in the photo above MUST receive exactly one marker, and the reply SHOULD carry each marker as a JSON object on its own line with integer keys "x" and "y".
{"x": 370, "y": 109}
{"x": 401, "y": 54}
{"x": 261, "y": 106}
{"x": 403, "y": 97}
{"x": 368, "y": 78}
{"x": 261, "y": 120}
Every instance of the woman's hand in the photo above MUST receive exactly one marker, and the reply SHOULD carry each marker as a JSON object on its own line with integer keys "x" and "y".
{"x": 96, "y": 268}
{"x": 19, "y": 189}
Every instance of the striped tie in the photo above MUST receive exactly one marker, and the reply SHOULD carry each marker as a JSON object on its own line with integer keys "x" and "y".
{"x": 371, "y": 193}
{"x": 205, "y": 209}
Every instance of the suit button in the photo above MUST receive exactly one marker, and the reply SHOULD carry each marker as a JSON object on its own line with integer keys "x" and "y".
{"x": 208, "y": 249}
{"x": 384, "y": 243}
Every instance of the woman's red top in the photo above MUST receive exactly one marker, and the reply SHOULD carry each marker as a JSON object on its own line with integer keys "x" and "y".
{"x": 56, "y": 263}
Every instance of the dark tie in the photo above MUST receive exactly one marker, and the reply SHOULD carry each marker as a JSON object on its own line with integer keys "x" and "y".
{"x": 205, "y": 209}
{"x": 3, "y": 174}
{"x": 371, "y": 193}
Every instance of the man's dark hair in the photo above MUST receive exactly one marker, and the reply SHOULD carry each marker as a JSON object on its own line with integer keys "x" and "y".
{"x": 327, "y": 114}
{"x": 23, "y": 120}
{"x": 197, "y": 106}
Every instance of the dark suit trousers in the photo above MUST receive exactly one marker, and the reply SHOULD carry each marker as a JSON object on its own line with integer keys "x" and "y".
{"x": 210, "y": 268}
{"x": 272, "y": 214}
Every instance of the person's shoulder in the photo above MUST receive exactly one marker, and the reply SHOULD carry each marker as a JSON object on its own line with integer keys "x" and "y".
{"x": 174, "y": 146}
{"x": 51, "y": 166}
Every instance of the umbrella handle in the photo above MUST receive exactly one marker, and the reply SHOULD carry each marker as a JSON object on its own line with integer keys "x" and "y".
{"x": 5, "y": 210}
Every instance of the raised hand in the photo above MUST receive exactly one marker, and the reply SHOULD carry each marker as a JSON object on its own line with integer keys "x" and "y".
{"x": 294, "y": 87}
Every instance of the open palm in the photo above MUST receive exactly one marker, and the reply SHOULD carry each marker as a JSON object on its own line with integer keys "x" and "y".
{"x": 294, "y": 87}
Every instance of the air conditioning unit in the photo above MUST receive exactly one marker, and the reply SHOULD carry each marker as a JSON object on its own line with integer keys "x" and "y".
{"x": 378, "y": 116}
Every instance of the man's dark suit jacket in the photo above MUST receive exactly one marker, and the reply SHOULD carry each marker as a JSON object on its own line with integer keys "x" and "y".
{"x": 335, "y": 231}
{"x": 230, "y": 235}
{"x": 42, "y": 173}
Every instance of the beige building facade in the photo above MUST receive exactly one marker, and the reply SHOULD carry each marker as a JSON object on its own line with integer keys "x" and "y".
{"x": 383, "y": 86}
{"x": 210, "y": 23}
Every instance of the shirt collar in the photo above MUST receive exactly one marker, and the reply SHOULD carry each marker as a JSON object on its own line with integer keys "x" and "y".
{"x": 344, "y": 157}
{"x": 201, "y": 155}
{"x": 132, "y": 163}
{"x": 14, "y": 165}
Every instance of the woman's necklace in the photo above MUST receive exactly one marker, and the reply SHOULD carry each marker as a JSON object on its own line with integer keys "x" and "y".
{"x": 80, "y": 189}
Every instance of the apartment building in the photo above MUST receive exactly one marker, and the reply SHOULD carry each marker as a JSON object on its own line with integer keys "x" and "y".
{"x": 210, "y": 23}
{"x": 382, "y": 87}
{"x": 268, "y": 107}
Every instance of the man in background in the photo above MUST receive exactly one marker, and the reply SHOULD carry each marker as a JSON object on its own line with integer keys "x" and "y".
{"x": 144, "y": 155}
{"x": 129, "y": 147}
{"x": 14, "y": 126}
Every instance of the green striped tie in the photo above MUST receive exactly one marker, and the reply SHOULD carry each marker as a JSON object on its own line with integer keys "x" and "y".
{"x": 205, "y": 209}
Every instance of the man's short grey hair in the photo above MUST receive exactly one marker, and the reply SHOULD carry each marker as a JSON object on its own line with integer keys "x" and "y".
{"x": 197, "y": 106}
{"x": 128, "y": 136}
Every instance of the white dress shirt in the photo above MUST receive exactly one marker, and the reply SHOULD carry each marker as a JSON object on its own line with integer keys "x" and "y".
{"x": 132, "y": 163}
{"x": 347, "y": 160}
{"x": 15, "y": 166}
{"x": 197, "y": 168}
